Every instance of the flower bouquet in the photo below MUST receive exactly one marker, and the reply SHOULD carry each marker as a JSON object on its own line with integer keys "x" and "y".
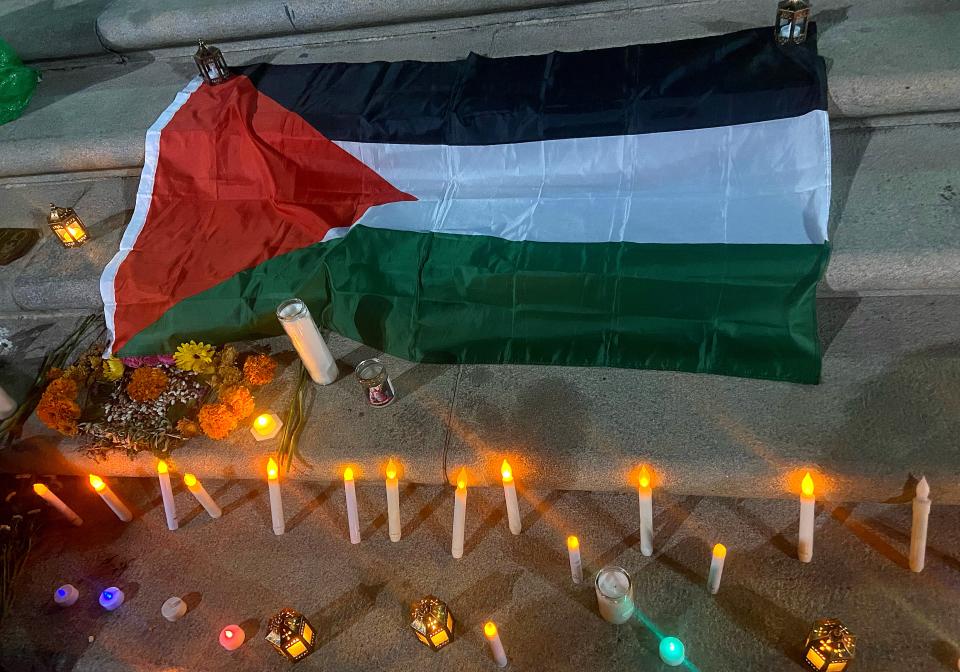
{"x": 153, "y": 403}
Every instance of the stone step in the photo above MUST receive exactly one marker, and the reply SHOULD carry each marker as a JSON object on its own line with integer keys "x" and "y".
{"x": 885, "y": 411}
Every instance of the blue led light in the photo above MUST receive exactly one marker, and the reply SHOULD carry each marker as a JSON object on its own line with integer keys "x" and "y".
{"x": 61, "y": 592}
{"x": 671, "y": 651}
{"x": 107, "y": 595}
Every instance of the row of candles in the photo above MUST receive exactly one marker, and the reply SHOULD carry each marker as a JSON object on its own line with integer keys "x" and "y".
{"x": 615, "y": 605}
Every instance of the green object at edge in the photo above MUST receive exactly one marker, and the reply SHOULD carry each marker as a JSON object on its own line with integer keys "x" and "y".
{"x": 17, "y": 83}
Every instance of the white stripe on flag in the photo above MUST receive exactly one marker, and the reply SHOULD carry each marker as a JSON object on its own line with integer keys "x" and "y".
{"x": 763, "y": 182}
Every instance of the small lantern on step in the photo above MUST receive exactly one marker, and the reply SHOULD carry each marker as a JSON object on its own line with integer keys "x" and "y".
{"x": 210, "y": 62}
{"x": 432, "y": 622}
{"x": 68, "y": 226}
{"x": 291, "y": 634}
{"x": 830, "y": 646}
{"x": 792, "y": 19}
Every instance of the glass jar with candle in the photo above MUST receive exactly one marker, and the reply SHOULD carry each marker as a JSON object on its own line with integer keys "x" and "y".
{"x": 377, "y": 386}
{"x": 295, "y": 318}
{"x": 614, "y": 594}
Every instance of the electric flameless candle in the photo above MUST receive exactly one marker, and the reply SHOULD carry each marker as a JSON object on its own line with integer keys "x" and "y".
{"x": 66, "y": 595}
{"x": 459, "y": 514}
{"x": 807, "y": 506}
{"x": 111, "y": 500}
{"x": 111, "y": 598}
{"x": 496, "y": 646}
{"x": 57, "y": 503}
{"x": 353, "y": 517}
{"x": 231, "y": 637}
{"x": 716, "y": 568}
{"x": 166, "y": 493}
{"x": 393, "y": 501}
{"x": 510, "y": 495}
{"x": 576, "y": 567}
{"x": 672, "y": 651}
{"x": 645, "y": 491}
{"x": 173, "y": 609}
{"x": 276, "y": 503}
{"x": 918, "y": 532}
{"x": 198, "y": 491}
{"x": 266, "y": 426}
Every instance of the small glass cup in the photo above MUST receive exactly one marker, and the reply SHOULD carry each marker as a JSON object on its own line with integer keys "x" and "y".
{"x": 614, "y": 594}
{"x": 377, "y": 386}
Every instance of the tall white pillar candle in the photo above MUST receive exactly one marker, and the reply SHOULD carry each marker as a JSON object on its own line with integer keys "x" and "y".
{"x": 918, "y": 532}
{"x": 393, "y": 502}
{"x": 716, "y": 568}
{"x": 576, "y": 566}
{"x": 459, "y": 514}
{"x": 197, "y": 490}
{"x": 276, "y": 503}
{"x": 7, "y": 405}
{"x": 353, "y": 518}
{"x": 646, "y": 513}
{"x": 166, "y": 493}
{"x": 496, "y": 646}
{"x": 309, "y": 344}
{"x": 57, "y": 503}
{"x": 111, "y": 500}
{"x": 807, "y": 509}
{"x": 510, "y": 495}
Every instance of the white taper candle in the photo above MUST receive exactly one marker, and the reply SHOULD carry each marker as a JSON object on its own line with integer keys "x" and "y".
{"x": 510, "y": 496}
{"x": 807, "y": 511}
{"x": 645, "y": 492}
{"x": 576, "y": 566}
{"x": 197, "y": 490}
{"x": 918, "y": 532}
{"x": 57, "y": 503}
{"x": 353, "y": 517}
{"x": 459, "y": 514}
{"x": 716, "y": 568}
{"x": 276, "y": 503}
{"x": 393, "y": 502}
{"x": 496, "y": 646}
{"x": 111, "y": 500}
{"x": 166, "y": 494}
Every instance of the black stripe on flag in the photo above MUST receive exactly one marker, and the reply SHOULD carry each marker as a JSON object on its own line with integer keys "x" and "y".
{"x": 723, "y": 80}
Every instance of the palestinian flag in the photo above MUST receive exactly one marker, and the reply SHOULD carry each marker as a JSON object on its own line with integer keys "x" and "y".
{"x": 654, "y": 206}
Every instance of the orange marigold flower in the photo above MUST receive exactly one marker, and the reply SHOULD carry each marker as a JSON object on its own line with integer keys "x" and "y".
{"x": 59, "y": 414}
{"x": 239, "y": 399}
{"x": 62, "y": 388}
{"x": 259, "y": 369}
{"x": 217, "y": 420}
{"x": 187, "y": 428}
{"x": 146, "y": 384}
{"x": 54, "y": 372}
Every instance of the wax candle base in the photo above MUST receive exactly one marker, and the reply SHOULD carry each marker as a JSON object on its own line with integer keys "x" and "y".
{"x": 66, "y": 595}
{"x": 111, "y": 598}
{"x": 267, "y": 428}
{"x": 174, "y": 609}
{"x": 231, "y": 637}
{"x": 672, "y": 651}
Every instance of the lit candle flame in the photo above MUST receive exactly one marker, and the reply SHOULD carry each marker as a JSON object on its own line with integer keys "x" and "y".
{"x": 806, "y": 486}
{"x": 40, "y": 489}
{"x": 272, "y": 469}
{"x": 462, "y": 479}
{"x": 719, "y": 551}
{"x": 506, "y": 472}
{"x": 573, "y": 543}
{"x": 162, "y": 467}
{"x": 262, "y": 421}
{"x": 490, "y": 629}
{"x": 644, "y": 477}
{"x": 97, "y": 483}
{"x": 348, "y": 474}
{"x": 189, "y": 480}
{"x": 228, "y": 633}
{"x": 391, "y": 470}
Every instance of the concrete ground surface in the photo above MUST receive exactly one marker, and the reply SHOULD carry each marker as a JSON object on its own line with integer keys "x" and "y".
{"x": 234, "y": 570}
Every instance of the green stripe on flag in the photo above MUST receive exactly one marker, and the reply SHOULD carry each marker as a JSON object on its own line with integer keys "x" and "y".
{"x": 740, "y": 310}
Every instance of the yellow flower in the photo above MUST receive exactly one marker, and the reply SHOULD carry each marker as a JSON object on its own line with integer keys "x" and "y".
{"x": 194, "y": 356}
{"x": 112, "y": 369}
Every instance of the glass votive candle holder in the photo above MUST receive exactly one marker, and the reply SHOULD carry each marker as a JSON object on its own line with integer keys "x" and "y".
{"x": 376, "y": 383}
{"x": 614, "y": 594}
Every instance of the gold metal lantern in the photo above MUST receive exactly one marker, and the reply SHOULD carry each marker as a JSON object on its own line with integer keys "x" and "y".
{"x": 211, "y": 64}
{"x": 432, "y": 622}
{"x": 792, "y": 19}
{"x": 830, "y": 647}
{"x": 291, "y": 634}
{"x": 67, "y": 226}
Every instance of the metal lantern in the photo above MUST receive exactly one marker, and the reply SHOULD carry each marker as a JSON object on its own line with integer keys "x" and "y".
{"x": 432, "y": 622}
{"x": 68, "y": 226}
{"x": 792, "y": 19}
{"x": 210, "y": 62}
{"x": 830, "y": 646}
{"x": 291, "y": 634}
